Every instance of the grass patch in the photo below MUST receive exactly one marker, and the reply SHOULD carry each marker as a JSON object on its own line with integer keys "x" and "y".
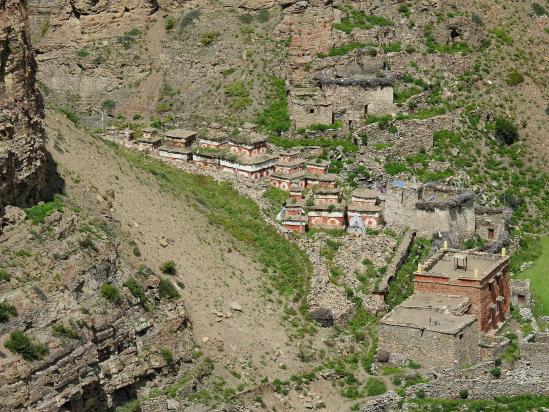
{"x": 275, "y": 118}
{"x": 500, "y": 403}
{"x": 402, "y": 285}
{"x": 7, "y": 311}
{"x": 537, "y": 273}
{"x": 38, "y": 213}
{"x": 343, "y": 49}
{"x": 375, "y": 386}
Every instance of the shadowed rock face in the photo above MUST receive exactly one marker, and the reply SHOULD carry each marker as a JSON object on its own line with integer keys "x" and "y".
{"x": 22, "y": 153}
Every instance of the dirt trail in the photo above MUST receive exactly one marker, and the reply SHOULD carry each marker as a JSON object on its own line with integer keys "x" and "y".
{"x": 215, "y": 274}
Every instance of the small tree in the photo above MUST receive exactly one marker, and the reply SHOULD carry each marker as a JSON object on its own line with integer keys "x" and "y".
{"x": 464, "y": 394}
{"x": 506, "y": 131}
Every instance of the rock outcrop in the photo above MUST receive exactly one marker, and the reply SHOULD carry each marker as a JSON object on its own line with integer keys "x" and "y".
{"x": 22, "y": 153}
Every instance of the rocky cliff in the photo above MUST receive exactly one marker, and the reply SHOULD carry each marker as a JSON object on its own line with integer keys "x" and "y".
{"x": 22, "y": 155}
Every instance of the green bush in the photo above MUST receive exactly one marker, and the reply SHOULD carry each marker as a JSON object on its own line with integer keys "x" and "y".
{"x": 514, "y": 78}
{"x": 7, "y": 311}
{"x": 4, "y": 276}
{"x": 20, "y": 343}
{"x": 496, "y": 372}
{"x": 62, "y": 331}
{"x": 343, "y": 49}
{"x": 136, "y": 290}
{"x": 169, "y": 23}
{"x": 169, "y": 267}
{"x": 538, "y": 9}
{"x": 82, "y": 53}
{"x": 420, "y": 394}
{"x": 413, "y": 364}
{"x": 405, "y": 9}
{"x": 375, "y": 386}
{"x": 167, "y": 355}
{"x": 38, "y": 213}
{"x": 464, "y": 394}
{"x": 108, "y": 105}
{"x": 208, "y": 38}
{"x": 505, "y": 130}
{"x": 111, "y": 292}
{"x": 166, "y": 289}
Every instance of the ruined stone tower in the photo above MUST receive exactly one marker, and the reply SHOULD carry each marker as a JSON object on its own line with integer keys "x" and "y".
{"x": 22, "y": 152}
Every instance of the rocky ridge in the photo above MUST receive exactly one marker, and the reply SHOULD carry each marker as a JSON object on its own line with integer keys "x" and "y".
{"x": 22, "y": 154}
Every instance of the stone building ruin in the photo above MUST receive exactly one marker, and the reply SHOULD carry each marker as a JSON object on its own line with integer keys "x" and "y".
{"x": 431, "y": 209}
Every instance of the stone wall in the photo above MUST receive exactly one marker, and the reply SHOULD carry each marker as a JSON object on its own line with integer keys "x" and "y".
{"x": 22, "y": 153}
{"x": 411, "y": 135}
{"x": 430, "y": 349}
{"x": 491, "y": 223}
{"x": 354, "y": 102}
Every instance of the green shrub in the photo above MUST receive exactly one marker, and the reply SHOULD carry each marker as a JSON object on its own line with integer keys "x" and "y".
{"x": 20, "y": 343}
{"x": 503, "y": 36}
{"x": 496, "y": 372}
{"x": 169, "y": 267}
{"x": 169, "y": 23}
{"x": 7, "y": 311}
{"x": 111, "y": 292}
{"x": 514, "y": 78}
{"x": 136, "y": 290}
{"x": 464, "y": 394}
{"x": 505, "y": 130}
{"x": 167, "y": 355}
{"x": 82, "y": 53}
{"x": 405, "y": 9}
{"x": 263, "y": 16}
{"x": 343, "y": 49}
{"x": 538, "y": 9}
{"x": 38, "y": 213}
{"x": 413, "y": 364}
{"x": 108, "y": 105}
{"x": 4, "y": 276}
{"x": 208, "y": 38}
{"x": 62, "y": 331}
{"x": 420, "y": 394}
{"x": 166, "y": 289}
{"x": 375, "y": 386}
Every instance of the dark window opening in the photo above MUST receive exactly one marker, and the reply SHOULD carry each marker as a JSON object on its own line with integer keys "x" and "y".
{"x": 521, "y": 299}
{"x": 491, "y": 233}
{"x": 311, "y": 111}
{"x": 366, "y": 110}
{"x": 461, "y": 335}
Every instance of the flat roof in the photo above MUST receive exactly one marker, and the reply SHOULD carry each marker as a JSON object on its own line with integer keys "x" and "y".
{"x": 180, "y": 133}
{"x": 149, "y": 130}
{"x": 289, "y": 177}
{"x": 290, "y": 163}
{"x": 175, "y": 149}
{"x": 456, "y": 305}
{"x": 361, "y": 207}
{"x": 365, "y": 193}
{"x": 296, "y": 204}
{"x": 295, "y": 219}
{"x": 428, "y": 319}
{"x": 244, "y": 138}
{"x": 443, "y": 264}
{"x": 326, "y": 190}
{"x": 328, "y": 206}
{"x": 328, "y": 177}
